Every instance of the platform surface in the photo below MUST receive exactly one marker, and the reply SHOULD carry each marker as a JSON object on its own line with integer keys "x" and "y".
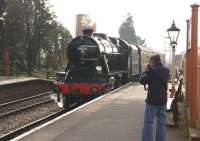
{"x": 8, "y": 80}
{"x": 115, "y": 117}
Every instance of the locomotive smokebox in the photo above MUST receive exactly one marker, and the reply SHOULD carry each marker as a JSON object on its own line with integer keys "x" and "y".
{"x": 88, "y": 31}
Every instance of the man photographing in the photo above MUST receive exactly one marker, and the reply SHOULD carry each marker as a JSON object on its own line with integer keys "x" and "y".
{"x": 156, "y": 77}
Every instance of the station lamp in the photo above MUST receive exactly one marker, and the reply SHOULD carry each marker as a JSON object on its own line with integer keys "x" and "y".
{"x": 173, "y": 33}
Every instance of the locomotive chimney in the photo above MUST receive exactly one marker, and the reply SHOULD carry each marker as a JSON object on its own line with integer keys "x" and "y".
{"x": 87, "y": 31}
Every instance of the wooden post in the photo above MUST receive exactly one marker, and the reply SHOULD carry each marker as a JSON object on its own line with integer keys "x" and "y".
{"x": 7, "y": 62}
{"x": 198, "y": 80}
{"x": 187, "y": 79}
{"x": 194, "y": 36}
{"x": 198, "y": 90}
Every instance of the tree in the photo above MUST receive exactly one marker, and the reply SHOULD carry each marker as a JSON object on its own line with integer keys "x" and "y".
{"x": 32, "y": 35}
{"x": 127, "y": 32}
{"x": 59, "y": 38}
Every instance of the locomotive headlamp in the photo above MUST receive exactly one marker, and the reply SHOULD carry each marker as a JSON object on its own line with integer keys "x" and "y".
{"x": 5, "y": 14}
{"x": 173, "y": 33}
{"x": 99, "y": 70}
{"x": 2, "y": 19}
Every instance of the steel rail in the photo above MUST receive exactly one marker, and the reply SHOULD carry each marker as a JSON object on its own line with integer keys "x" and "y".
{"x": 24, "y": 99}
{"x": 25, "y": 108}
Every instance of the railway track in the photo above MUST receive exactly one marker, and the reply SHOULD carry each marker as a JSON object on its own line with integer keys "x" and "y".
{"x": 15, "y": 111}
{"x": 43, "y": 120}
{"x": 24, "y": 99}
{"x": 27, "y": 127}
{"x": 25, "y": 108}
{"x": 16, "y": 90}
{"x": 23, "y": 104}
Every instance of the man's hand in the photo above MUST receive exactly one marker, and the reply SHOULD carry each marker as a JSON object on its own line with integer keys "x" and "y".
{"x": 147, "y": 67}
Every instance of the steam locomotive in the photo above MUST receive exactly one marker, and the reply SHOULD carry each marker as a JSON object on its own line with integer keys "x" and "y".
{"x": 98, "y": 63}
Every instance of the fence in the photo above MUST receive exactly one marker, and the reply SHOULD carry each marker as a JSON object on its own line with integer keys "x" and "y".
{"x": 35, "y": 73}
{"x": 44, "y": 74}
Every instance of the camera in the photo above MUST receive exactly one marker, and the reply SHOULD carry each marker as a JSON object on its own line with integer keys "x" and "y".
{"x": 148, "y": 66}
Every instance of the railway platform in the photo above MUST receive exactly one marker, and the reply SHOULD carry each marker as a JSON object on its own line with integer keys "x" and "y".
{"x": 4, "y": 80}
{"x": 117, "y": 116}
{"x": 15, "y": 88}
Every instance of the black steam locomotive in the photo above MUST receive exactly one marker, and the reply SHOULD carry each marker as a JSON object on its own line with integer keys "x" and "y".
{"x": 98, "y": 63}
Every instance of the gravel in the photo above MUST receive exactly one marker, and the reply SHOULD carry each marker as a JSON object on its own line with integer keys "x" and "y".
{"x": 13, "y": 122}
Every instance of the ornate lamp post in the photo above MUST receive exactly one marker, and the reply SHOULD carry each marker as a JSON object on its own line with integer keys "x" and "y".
{"x": 173, "y": 33}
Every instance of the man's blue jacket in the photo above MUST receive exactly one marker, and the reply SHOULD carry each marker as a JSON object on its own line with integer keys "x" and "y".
{"x": 156, "y": 78}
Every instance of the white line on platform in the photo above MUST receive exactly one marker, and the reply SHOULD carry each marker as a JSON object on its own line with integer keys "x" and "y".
{"x": 16, "y": 80}
{"x": 66, "y": 114}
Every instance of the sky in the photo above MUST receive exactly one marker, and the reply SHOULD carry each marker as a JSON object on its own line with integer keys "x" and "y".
{"x": 151, "y": 17}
